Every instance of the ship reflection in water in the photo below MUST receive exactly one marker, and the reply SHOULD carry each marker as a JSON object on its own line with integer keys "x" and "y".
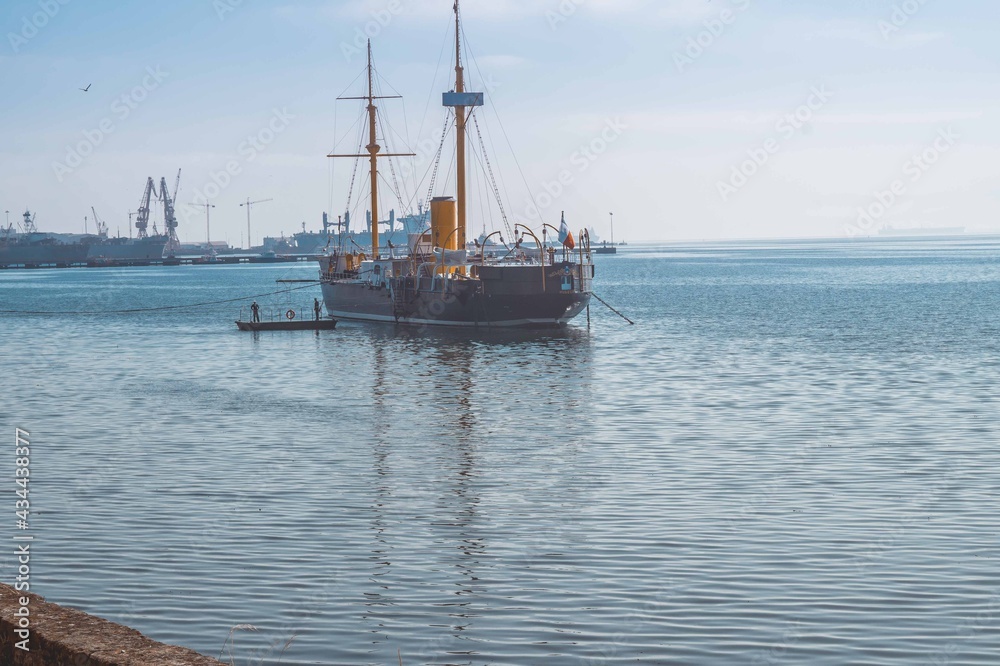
{"x": 445, "y": 468}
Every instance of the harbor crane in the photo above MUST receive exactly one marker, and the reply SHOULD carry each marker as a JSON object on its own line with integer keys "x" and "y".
{"x": 102, "y": 227}
{"x": 208, "y": 228}
{"x": 29, "y": 222}
{"x": 142, "y": 215}
{"x": 177, "y": 185}
{"x": 169, "y": 217}
{"x": 249, "y": 204}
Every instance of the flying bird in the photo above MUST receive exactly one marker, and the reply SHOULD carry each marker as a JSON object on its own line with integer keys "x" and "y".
{"x": 87, "y": 88}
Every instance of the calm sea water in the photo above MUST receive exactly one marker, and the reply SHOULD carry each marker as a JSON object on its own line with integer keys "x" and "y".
{"x": 793, "y": 457}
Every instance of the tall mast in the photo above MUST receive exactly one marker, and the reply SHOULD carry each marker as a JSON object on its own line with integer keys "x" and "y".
{"x": 373, "y": 149}
{"x": 461, "y": 100}
{"x": 461, "y": 119}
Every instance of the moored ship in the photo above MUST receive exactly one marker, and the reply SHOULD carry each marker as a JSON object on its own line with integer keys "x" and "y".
{"x": 337, "y": 234}
{"x": 34, "y": 249}
{"x": 133, "y": 251}
{"x": 437, "y": 282}
{"x": 30, "y": 248}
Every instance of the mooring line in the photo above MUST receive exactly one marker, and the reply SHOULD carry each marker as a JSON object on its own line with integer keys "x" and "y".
{"x": 159, "y": 309}
{"x": 612, "y": 309}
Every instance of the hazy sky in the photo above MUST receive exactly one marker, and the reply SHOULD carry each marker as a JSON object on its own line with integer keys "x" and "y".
{"x": 689, "y": 119}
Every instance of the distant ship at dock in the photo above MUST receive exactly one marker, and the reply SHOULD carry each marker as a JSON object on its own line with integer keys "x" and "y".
{"x": 30, "y": 248}
{"x": 338, "y": 235}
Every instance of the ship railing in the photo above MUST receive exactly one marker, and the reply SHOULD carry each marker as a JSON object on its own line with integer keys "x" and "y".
{"x": 273, "y": 313}
{"x": 327, "y": 276}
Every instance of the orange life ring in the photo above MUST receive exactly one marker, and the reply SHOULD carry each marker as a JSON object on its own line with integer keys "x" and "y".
{"x": 290, "y": 314}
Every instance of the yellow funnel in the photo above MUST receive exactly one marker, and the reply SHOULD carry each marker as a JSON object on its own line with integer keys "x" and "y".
{"x": 444, "y": 222}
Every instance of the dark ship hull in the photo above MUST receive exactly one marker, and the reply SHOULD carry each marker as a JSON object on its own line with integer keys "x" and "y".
{"x": 37, "y": 255}
{"x": 128, "y": 250}
{"x": 80, "y": 251}
{"x": 501, "y": 296}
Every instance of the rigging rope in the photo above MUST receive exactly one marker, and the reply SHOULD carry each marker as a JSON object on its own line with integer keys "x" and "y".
{"x": 612, "y": 309}
{"x": 387, "y": 130}
{"x": 357, "y": 161}
{"x": 159, "y": 309}
{"x": 493, "y": 105}
{"x": 437, "y": 157}
{"x": 493, "y": 180}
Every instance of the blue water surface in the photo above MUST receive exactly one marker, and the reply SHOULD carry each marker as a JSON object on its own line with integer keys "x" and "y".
{"x": 792, "y": 457}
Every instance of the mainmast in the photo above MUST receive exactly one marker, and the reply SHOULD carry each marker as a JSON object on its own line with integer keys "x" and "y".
{"x": 373, "y": 148}
{"x": 461, "y": 119}
{"x": 461, "y": 100}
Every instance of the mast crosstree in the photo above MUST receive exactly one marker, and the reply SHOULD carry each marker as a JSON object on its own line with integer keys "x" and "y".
{"x": 373, "y": 148}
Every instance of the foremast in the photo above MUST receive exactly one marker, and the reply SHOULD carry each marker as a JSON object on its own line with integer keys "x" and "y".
{"x": 373, "y": 148}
